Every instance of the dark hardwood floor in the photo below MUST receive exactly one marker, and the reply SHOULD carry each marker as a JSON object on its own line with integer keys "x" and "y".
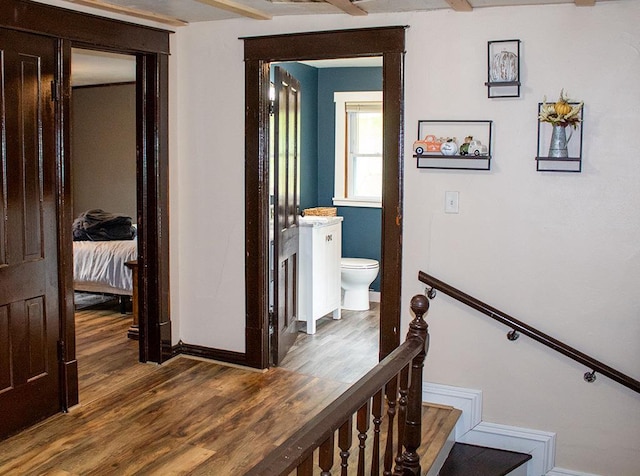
{"x": 186, "y": 416}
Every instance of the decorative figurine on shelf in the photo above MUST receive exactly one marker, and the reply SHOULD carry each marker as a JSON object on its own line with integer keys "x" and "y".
{"x": 464, "y": 148}
{"x": 450, "y": 147}
{"x": 430, "y": 145}
{"x": 504, "y": 67}
{"x": 560, "y": 115}
{"x": 477, "y": 148}
{"x": 473, "y": 147}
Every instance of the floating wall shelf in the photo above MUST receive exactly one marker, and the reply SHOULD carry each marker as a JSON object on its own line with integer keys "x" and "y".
{"x": 573, "y": 161}
{"x": 453, "y": 144}
{"x": 503, "y": 69}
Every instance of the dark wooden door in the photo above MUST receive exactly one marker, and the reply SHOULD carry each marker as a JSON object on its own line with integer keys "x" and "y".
{"x": 287, "y": 209}
{"x": 29, "y": 310}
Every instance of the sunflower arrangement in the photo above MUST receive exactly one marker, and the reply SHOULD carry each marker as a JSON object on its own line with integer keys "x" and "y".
{"x": 561, "y": 113}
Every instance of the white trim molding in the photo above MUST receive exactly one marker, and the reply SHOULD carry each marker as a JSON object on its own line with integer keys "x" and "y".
{"x": 467, "y": 400}
{"x": 541, "y": 445}
{"x": 568, "y": 472}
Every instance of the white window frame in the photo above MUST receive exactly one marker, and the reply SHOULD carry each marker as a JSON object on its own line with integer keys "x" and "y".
{"x": 340, "y": 99}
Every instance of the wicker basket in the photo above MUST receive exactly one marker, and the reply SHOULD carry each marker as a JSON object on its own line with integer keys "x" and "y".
{"x": 321, "y": 212}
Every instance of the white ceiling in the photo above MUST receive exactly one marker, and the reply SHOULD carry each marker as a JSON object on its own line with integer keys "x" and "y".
{"x": 373, "y": 61}
{"x": 198, "y": 10}
{"x": 90, "y": 67}
{"x": 97, "y": 67}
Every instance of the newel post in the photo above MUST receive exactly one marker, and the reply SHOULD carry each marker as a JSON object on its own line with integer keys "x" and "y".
{"x": 418, "y": 329}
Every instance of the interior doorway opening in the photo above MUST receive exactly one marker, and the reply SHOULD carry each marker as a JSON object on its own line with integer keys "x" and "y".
{"x": 103, "y": 166}
{"x": 322, "y": 169}
{"x": 260, "y": 52}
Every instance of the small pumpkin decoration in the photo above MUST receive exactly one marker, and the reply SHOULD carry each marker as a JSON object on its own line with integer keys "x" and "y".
{"x": 449, "y": 147}
{"x": 504, "y": 67}
{"x": 562, "y": 108}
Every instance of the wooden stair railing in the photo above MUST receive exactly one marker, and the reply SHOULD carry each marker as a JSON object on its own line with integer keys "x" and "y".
{"x": 395, "y": 383}
{"x": 520, "y": 327}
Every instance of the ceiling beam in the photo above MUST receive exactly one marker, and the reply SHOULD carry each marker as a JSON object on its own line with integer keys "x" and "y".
{"x": 460, "y": 5}
{"x": 237, "y": 8}
{"x": 347, "y": 7}
{"x": 585, "y": 3}
{"x": 132, "y": 12}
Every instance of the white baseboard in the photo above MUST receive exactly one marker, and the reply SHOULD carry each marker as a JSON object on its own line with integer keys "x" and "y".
{"x": 568, "y": 472}
{"x": 374, "y": 296}
{"x": 472, "y": 430}
{"x": 467, "y": 400}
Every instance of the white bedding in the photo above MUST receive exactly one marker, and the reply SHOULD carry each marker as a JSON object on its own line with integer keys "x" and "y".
{"x": 98, "y": 266}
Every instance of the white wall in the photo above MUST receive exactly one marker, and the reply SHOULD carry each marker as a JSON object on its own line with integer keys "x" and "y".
{"x": 559, "y": 251}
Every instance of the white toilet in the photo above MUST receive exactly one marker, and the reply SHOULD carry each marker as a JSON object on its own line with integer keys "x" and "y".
{"x": 356, "y": 275}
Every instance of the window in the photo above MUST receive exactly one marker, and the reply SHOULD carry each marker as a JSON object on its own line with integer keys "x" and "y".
{"x": 358, "y": 149}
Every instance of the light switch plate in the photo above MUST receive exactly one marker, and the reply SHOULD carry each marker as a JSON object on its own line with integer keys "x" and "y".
{"x": 451, "y": 202}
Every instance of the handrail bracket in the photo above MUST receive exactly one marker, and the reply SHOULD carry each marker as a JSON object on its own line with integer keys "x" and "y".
{"x": 513, "y": 335}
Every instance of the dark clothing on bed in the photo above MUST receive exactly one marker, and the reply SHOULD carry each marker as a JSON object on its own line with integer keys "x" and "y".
{"x": 98, "y": 225}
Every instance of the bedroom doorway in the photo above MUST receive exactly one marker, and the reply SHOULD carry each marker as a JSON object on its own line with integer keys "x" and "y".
{"x": 103, "y": 165}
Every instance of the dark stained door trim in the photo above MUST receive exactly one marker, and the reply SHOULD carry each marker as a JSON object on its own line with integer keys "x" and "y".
{"x": 82, "y": 27}
{"x": 151, "y": 46}
{"x": 387, "y": 42}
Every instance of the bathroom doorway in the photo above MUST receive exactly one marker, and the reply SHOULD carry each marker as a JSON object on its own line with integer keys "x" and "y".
{"x": 330, "y": 91}
{"x": 260, "y": 52}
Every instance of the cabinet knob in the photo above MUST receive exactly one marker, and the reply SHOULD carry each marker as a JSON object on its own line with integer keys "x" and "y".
{"x": 329, "y": 237}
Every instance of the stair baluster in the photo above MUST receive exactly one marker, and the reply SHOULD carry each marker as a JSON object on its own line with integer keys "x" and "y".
{"x": 325, "y": 456}
{"x": 306, "y": 467}
{"x": 391, "y": 390}
{"x": 402, "y": 418}
{"x": 345, "y": 440}
{"x": 377, "y": 411}
{"x": 362, "y": 424}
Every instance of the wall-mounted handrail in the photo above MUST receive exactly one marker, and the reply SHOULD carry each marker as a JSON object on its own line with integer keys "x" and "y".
{"x": 535, "y": 334}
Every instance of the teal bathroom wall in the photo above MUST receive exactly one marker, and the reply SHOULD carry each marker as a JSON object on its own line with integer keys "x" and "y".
{"x": 308, "y": 77}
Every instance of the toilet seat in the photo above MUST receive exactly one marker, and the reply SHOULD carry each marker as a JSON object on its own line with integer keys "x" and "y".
{"x": 358, "y": 263}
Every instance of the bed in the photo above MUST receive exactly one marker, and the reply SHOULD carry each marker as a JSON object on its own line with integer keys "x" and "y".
{"x": 99, "y": 266}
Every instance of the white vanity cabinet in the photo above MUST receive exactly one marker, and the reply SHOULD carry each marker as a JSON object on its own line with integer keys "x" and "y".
{"x": 319, "y": 269}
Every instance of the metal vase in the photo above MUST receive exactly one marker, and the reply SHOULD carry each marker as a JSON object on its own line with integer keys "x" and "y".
{"x": 558, "y": 145}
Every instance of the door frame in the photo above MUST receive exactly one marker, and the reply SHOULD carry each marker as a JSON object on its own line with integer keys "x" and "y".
{"x": 259, "y": 52}
{"x": 151, "y": 47}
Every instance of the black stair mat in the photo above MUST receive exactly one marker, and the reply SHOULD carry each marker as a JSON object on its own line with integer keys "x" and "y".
{"x": 471, "y": 460}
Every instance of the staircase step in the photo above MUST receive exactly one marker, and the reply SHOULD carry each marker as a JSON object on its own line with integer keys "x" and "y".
{"x": 471, "y": 460}
{"x": 438, "y": 423}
